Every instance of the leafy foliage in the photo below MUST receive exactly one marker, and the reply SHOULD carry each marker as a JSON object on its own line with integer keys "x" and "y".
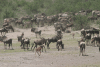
{"x": 12, "y": 8}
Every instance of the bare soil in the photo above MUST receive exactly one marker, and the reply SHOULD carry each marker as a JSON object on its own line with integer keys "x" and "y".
{"x": 68, "y": 57}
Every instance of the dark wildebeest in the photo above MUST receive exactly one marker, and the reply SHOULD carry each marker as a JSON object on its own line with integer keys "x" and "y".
{"x": 5, "y": 24}
{"x": 59, "y": 43}
{"x": 83, "y": 33}
{"x": 20, "y": 38}
{"x": 39, "y": 49}
{"x": 39, "y": 42}
{"x": 82, "y": 47}
{"x": 53, "y": 39}
{"x": 97, "y": 39}
{"x": 87, "y": 38}
{"x": 9, "y": 28}
{"x": 19, "y": 22}
{"x": 37, "y": 32}
{"x": 28, "y": 24}
{"x": 92, "y": 18}
{"x": 25, "y": 41}
{"x": 3, "y": 30}
{"x": 8, "y": 41}
{"x": 92, "y": 31}
{"x": 33, "y": 29}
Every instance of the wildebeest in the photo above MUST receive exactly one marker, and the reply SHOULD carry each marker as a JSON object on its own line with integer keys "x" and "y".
{"x": 8, "y": 41}
{"x": 39, "y": 42}
{"x": 97, "y": 39}
{"x": 20, "y": 21}
{"x": 82, "y": 47}
{"x": 36, "y": 31}
{"x": 5, "y": 24}
{"x": 87, "y": 38}
{"x": 9, "y": 27}
{"x": 59, "y": 43}
{"x": 33, "y": 29}
{"x": 20, "y": 38}
{"x": 53, "y": 39}
{"x": 28, "y": 24}
{"x": 92, "y": 18}
{"x": 90, "y": 31}
{"x": 70, "y": 25}
{"x": 57, "y": 26}
{"x": 59, "y": 32}
{"x": 3, "y": 30}
{"x": 26, "y": 18}
{"x": 39, "y": 49}
{"x": 95, "y": 12}
{"x": 25, "y": 42}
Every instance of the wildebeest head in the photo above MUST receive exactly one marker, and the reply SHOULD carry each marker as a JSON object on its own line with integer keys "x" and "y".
{"x": 2, "y": 38}
{"x": 20, "y": 37}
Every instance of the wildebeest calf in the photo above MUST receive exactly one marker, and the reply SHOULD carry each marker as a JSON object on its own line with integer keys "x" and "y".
{"x": 39, "y": 49}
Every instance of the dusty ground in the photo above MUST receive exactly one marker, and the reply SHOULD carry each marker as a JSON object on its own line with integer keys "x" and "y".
{"x": 68, "y": 57}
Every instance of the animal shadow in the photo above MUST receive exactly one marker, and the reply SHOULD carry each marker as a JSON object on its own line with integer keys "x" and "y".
{"x": 85, "y": 55}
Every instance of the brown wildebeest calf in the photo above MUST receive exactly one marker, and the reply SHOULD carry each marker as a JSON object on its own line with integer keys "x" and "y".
{"x": 73, "y": 34}
{"x": 39, "y": 49}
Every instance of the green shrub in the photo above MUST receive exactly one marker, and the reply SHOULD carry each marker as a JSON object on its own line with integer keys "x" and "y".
{"x": 80, "y": 22}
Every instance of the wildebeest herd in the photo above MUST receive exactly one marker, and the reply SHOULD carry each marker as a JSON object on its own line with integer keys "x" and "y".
{"x": 61, "y": 23}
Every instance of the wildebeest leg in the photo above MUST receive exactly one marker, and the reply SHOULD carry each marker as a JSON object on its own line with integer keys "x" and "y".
{"x": 58, "y": 47}
{"x": 38, "y": 53}
{"x": 34, "y": 47}
{"x": 99, "y": 49}
{"x": 9, "y": 46}
{"x": 24, "y": 46}
{"x": 29, "y": 44}
{"x": 27, "y": 47}
{"x": 44, "y": 48}
{"x": 84, "y": 50}
{"x": 80, "y": 51}
{"x": 40, "y": 35}
{"x": 61, "y": 47}
{"x": 4, "y": 46}
{"x": 48, "y": 45}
